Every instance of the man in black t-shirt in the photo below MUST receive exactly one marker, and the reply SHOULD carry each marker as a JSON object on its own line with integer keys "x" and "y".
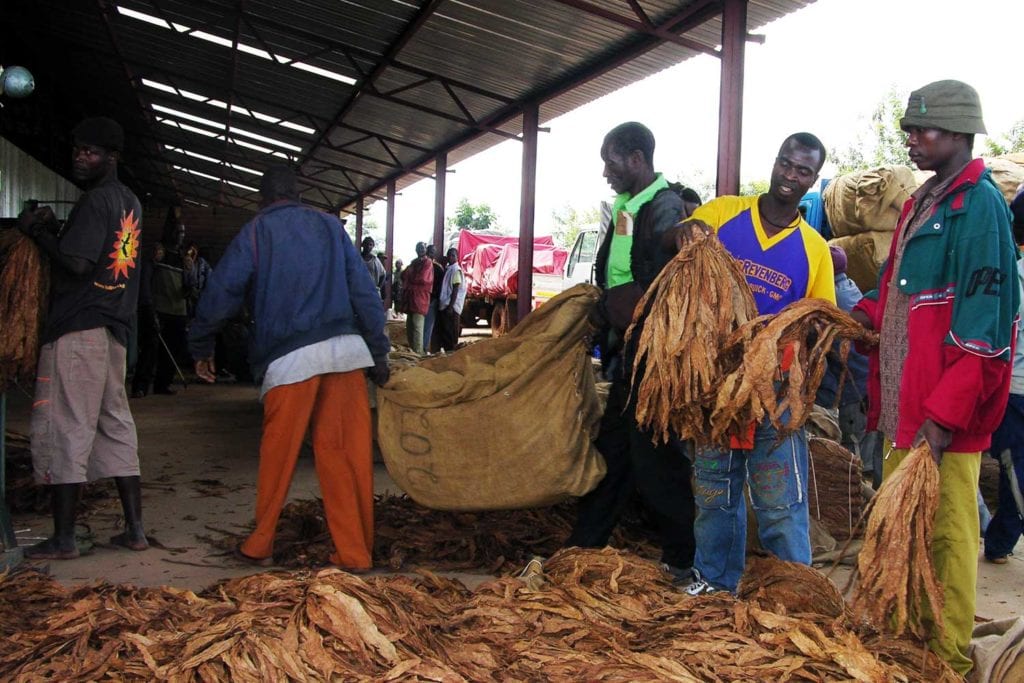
{"x": 82, "y": 428}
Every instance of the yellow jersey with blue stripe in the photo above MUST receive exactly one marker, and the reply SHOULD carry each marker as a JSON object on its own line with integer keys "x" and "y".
{"x": 790, "y": 265}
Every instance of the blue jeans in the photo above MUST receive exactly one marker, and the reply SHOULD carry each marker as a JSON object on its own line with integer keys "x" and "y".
{"x": 428, "y": 325}
{"x": 1008, "y": 447}
{"x": 777, "y": 475}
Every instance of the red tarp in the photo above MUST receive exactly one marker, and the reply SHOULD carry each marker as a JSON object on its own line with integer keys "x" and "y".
{"x": 491, "y": 262}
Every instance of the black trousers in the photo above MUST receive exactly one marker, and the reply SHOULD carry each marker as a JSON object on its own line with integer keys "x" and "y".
{"x": 659, "y": 473}
{"x": 145, "y": 364}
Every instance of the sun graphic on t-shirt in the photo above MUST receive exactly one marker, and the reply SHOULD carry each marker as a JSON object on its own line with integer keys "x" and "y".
{"x": 126, "y": 246}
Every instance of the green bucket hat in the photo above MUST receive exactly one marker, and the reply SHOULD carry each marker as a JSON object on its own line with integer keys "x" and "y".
{"x": 949, "y": 105}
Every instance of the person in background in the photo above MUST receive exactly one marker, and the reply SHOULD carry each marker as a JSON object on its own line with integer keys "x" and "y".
{"x": 396, "y": 285}
{"x": 386, "y": 285}
{"x": 373, "y": 264}
{"x": 946, "y": 309}
{"x": 149, "y": 326}
{"x": 196, "y": 276}
{"x": 1007, "y": 525}
{"x": 453, "y": 296}
{"x": 629, "y": 258}
{"x": 429, "y": 338}
{"x": 82, "y": 427}
{"x": 850, "y": 406}
{"x": 417, "y": 283}
{"x": 170, "y": 291}
{"x": 311, "y": 352}
{"x": 784, "y": 260}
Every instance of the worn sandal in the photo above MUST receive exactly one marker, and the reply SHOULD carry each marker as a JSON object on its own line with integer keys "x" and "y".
{"x": 254, "y": 561}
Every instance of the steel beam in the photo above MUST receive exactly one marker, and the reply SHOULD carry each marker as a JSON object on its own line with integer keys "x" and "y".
{"x": 641, "y": 24}
{"x": 359, "y": 224}
{"x": 730, "y": 103}
{"x": 440, "y": 177}
{"x": 693, "y": 15}
{"x": 421, "y": 18}
{"x": 527, "y": 205}
{"x": 389, "y": 224}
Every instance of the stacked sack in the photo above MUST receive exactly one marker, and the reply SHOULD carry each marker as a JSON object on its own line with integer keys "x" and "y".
{"x": 863, "y": 208}
{"x": 1007, "y": 172}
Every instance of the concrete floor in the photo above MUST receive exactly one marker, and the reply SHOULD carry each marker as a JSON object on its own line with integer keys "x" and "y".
{"x": 199, "y": 452}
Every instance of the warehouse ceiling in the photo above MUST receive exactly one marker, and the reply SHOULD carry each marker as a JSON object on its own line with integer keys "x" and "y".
{"x": 354, "y": 93}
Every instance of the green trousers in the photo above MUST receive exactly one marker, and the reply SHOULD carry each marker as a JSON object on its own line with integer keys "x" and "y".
{"x": 955, "y": 546}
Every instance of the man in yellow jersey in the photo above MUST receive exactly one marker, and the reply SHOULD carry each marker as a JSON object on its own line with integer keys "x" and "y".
{"x": 784, "y": 260}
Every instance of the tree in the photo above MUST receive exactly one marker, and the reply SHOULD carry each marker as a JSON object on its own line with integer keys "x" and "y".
{"x": 753, "y": 187}
{"x": 568, "y": 221}
{"x": 883, "y": 143}
{"x": 1011, "y": 141}
{"x": 700, "y": 182}
{"x": 370, "y": 229}
{"x": 473, "y": 217}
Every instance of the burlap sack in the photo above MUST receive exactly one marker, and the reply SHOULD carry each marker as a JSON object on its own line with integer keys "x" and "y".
{"x": 865, "y": 254}
{"x": 868, "y": 200}
{"x": 1007, "y": 172}
{"x": 502, "y": 424}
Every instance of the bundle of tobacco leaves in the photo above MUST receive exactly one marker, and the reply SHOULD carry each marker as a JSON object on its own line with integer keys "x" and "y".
{"x": 24, "y": 284}
{"x": 599, "y": 616}
{"x": 789, "y": 587}
{"x": 897, "y": 589}
{"x": 754, "y": 385}
{"x": 835, "y": 495}
{"x": 697, "y": 301}
{"x": 491, "y": 541}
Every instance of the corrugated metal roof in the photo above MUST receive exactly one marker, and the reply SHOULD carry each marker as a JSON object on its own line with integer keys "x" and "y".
{"x": 354, "y": 92}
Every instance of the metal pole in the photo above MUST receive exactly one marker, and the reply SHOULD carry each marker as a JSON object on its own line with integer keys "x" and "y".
{"x": 730, "y": 107}
{"x": 10, "y": 554}
{"x": 531, "y": 120}
{"x": 389, "y": 222}
{"x": 359, "y": 222}
{"x": 440, "y": 175}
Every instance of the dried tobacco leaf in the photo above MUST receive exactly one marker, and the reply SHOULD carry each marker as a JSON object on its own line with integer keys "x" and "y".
{"x": 897, "y": 589}
{"x": 601, "y": 615}
{"x": 754, "y": 387}
{"x": 24, "y": 287}
{"x": 697, "y": 301}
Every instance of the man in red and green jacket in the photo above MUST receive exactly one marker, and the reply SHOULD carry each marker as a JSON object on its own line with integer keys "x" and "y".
{"x": 946, "y": 308}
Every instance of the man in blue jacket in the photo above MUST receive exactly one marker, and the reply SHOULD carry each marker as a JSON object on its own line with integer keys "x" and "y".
{"x": 318, "y": 324}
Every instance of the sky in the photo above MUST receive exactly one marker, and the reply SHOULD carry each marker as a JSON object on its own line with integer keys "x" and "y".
{"x": 822, "y": 69}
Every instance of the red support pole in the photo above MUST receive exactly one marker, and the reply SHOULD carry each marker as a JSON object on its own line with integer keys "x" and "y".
{"x": 531, "y": 120}
{"x": 440, "y": 175}
{"x": 730, "y": 107}
{"x": 359, "y": 221}
{"x": 389, "y": 231}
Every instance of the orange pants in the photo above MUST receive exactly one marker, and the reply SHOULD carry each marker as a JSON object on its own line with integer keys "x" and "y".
{"x": 340, "y": 410}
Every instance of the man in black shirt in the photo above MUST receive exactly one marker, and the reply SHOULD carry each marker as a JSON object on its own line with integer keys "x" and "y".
{"x": 82, "y": 428}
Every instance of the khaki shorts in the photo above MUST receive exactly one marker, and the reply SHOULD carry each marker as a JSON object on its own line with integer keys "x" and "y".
{"x": 82, "y": 428}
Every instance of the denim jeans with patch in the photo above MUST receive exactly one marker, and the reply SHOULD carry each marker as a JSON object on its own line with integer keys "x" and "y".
{"x": 777, "y": 474}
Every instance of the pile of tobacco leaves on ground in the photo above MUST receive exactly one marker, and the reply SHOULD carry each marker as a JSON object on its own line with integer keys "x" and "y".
{"x": 595, "y": 615}
{"x": 408, "y": 535}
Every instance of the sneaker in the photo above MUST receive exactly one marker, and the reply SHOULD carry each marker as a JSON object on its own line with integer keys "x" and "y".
{"x": 700, "y": 587}
{"x": 680, "y": 576}
{"x": 533, "y": 573}
{"x": 534, "y": 567}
